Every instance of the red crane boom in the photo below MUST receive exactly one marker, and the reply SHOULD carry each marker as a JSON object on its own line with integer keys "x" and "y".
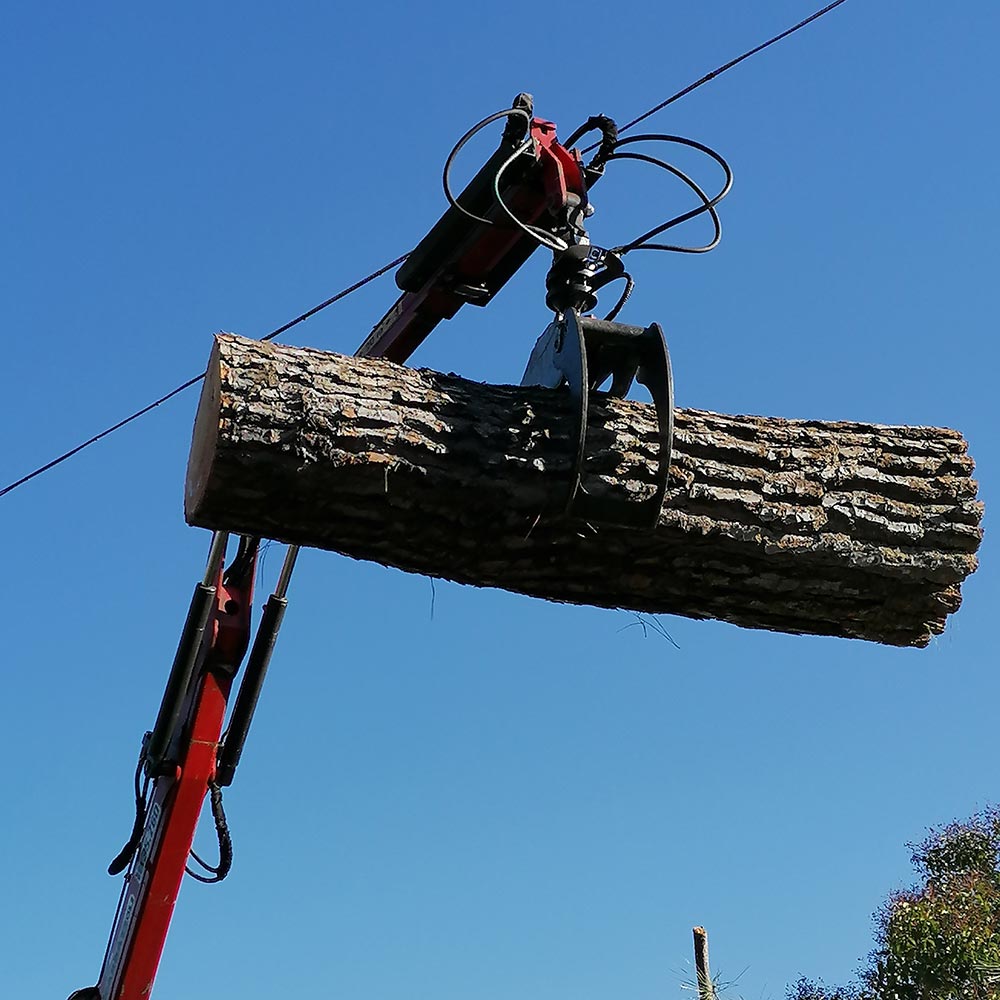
{"x": 186, "y": 755}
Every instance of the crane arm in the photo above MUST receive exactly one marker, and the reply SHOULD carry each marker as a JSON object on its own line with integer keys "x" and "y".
{"x": 531, "y": 191}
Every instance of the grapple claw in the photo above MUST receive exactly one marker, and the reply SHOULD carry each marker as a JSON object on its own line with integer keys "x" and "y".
{"x": 582, "y": 353}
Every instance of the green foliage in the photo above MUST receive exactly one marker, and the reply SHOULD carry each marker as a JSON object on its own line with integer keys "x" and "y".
{"x": 806, "y": 989}
{"x": 941, "y": 939}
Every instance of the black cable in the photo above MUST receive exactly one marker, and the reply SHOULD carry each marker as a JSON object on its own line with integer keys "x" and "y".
{"x": 629, "y": 285}
{"x": 541, "y": 236}
{"x": 342, "y": 294}
{"x": 609, "y": 136}
{"x": 245, "y": 553}
{"x": 125, "y": 855}
{"x": 221, "y": 870}
{"x": 197, "y": 378}
{"x": 640, "y": 243}
{"x": 608, "y": 147}
{"x": 457, "y": 148}
{"x": 707, "y": 205}
{"x": 97, "y": 437}
{"x": 722, "y": 69}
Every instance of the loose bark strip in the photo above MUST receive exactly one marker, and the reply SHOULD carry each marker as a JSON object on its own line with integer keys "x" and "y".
{"x": 800, "y": 526}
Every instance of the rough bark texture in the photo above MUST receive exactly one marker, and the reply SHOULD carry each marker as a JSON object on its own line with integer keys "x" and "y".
{"x": 799, "y": 526}
{"x": 703, "y": 974}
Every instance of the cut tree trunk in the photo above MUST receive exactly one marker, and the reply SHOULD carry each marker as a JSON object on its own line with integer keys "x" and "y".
{"x": 799, "y": 526}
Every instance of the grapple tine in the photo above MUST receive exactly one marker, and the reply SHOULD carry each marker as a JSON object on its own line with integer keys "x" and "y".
{"x": 581, "y": 352}
{"x": 560, "y": 358}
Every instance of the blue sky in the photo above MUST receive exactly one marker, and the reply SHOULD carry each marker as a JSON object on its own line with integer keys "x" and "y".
{"x": 505, "y": 797}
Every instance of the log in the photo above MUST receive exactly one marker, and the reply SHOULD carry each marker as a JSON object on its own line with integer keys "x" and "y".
{"x": 843, "y": 529}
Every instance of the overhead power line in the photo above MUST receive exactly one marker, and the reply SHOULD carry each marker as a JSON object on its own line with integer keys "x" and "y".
{"x": 399, "y": 260}
{"x": 197, "y": 378}
{"x": 729, "y": 65}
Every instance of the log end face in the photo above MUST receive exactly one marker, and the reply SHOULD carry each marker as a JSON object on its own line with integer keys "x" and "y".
{"x": 204, "y": 440}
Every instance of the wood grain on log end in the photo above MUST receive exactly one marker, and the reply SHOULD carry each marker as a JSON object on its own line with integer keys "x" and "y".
{"x": 831, "y": 528}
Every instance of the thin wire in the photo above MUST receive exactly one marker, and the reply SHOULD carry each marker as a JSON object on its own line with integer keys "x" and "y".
{"x": 336, "y": 298}
{"x": 722, "y": 69}
{"x": 197, "y": 378}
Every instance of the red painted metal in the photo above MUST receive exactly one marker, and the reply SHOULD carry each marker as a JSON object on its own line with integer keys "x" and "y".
{"x": 155, "y": 877}
{"x": 562, "y": 170}
{"x": 557, "y": 177}
{"x": 158, "y": 871}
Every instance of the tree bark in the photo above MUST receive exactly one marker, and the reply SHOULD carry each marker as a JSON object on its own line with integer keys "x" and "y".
{"x": 703, "y": 974}
{"x": 800, "y": 526}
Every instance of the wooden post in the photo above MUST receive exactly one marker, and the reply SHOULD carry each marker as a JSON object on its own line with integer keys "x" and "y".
{"x": 706, "y": 988}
